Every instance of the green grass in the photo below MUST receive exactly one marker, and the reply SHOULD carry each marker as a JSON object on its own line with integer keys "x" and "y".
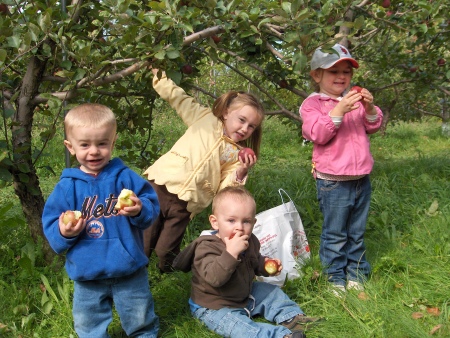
{"x": 407, "y": 238}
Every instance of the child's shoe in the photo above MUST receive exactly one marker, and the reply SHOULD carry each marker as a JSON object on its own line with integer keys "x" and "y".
{"x": 354, "y": 285}
{"x": 296, "y": 334}
{"x": 299, "y": 322}
{"x": 337, "y": 290}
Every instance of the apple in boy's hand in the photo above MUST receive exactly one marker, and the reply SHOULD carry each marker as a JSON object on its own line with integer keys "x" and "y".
{"x": 124, "y": 199}
{"x": 271, "y": 266}
{"x": 244, "y": 152}
{"x": 233, "y": 234}
{"x": 71, "y": 216}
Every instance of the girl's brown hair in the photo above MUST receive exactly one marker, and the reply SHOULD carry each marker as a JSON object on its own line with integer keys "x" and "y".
{"x": 234, "y": 100}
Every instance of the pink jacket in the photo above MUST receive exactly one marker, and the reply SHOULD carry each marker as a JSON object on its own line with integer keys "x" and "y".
{"x": 338, "y": 151}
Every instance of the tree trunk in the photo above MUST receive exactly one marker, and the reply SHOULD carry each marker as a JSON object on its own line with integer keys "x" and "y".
{"x": 445, "y": 119}
{"x": 25, "y": 179}
{"x": 386, "y": 115}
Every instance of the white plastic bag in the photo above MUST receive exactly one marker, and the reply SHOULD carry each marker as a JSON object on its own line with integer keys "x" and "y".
{"x": 281, "y": 234}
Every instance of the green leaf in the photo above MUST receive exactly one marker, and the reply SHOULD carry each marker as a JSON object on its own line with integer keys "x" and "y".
{"x": 13, "y": 41}
{"x": 86, "y": 51}
{"x": 7, "y": 113}
{"x": 34, "y": 30}
{"x": 49, "y": 288}
{"x": 47, "y": 307}
{"x": 24, "y": 178}
{"x": 175, "y": 76}
{"x": 24, "y": 168}
{"x": 3, "y": 55}
{"x": 79, "y": 74}
{"x": 173, "y": 54}
{"x": 45, "y": 22}
{"x": 286, "y": 7}
{"x": 359, "y": 22}
{"x": 28, "y": 321}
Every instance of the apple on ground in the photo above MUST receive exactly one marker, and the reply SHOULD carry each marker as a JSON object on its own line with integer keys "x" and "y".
{"x": 71, "y": 216}
{"x": 271, "y": 266}
{"x": 124, "y": 199}
{"x": 244, "y": 152}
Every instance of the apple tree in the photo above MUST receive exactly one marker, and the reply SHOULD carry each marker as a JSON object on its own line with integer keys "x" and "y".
{"x": 56, "y": 54}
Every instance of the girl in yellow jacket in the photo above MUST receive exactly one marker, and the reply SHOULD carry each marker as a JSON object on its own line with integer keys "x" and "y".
{"x": 203, "y": 161}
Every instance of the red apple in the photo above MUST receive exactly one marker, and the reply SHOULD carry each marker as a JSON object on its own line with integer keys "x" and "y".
{"x": 271, "y": 266}
{"x": 71, "y": 216}
{"x": 283, "y": 83}
{"x": 413, "y": 69}
{"x": 244, "y": 152}
{"x": 357, "y": 88}
{"x": 124, "y": 199}
{"x": 216, "y": 38}
{"x": 4, "y": 9}
{"x": 386, "y": 3}
{"x": 441, "y": 62}
{"x": 187, "y": 69}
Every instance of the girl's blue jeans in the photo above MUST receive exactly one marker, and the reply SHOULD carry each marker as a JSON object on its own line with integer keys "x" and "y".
{"x": 345, "y": 207}
{"x": 92, "y": 306}
{"x": 267, "y": 300}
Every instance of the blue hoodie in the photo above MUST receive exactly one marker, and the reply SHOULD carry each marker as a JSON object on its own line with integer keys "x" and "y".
{"x": 111, "y": 245}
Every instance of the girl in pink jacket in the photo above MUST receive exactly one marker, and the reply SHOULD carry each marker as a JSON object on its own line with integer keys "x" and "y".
{"x": 338, "y": 120}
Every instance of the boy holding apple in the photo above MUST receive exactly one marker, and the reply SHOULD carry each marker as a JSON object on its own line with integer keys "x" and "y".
{"x": 224, "y": 262}
{"x": 104, "y": 248}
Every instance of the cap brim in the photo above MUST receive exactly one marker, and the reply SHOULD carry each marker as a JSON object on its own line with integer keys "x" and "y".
{"x": 351, "y": 60}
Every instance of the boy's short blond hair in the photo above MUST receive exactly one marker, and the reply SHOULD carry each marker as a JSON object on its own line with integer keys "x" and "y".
{"x": 237, "y": 192}
{"x": 92, "y": 115}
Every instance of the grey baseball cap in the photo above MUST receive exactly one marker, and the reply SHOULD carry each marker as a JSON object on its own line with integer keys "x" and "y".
{"x": 324, "y": 60}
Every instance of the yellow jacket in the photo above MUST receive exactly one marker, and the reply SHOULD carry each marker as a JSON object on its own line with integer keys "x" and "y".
{"x": 203, "y": 160}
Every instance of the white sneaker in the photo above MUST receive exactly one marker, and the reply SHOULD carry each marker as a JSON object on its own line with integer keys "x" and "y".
{"x": 354, "y": 285}
{"x": 337, "y": 290}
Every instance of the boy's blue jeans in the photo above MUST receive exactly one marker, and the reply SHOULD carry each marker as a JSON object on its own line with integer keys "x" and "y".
{"x": 268, "y": 301}
{"x": 345, "y": 207}
{"x": 92, "y": 306}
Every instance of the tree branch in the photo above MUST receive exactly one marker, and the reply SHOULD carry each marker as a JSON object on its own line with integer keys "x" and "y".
{"x": 283, "y": 109}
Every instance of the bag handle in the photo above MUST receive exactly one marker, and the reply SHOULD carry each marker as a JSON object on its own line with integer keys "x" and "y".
{"x": 281, "y": 190}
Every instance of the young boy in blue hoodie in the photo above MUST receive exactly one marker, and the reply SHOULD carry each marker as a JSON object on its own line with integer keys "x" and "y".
{"x": 104, "y": 249}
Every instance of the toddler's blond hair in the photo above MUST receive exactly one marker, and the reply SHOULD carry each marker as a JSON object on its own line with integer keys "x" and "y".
{"x": 92, "y": 115}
